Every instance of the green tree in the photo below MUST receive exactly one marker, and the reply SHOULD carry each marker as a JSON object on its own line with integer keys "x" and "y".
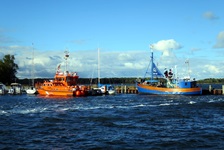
{"x": 8, "y": 69}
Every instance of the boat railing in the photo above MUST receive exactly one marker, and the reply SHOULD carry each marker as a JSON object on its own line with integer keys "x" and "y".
{"x": 66, "y": 73}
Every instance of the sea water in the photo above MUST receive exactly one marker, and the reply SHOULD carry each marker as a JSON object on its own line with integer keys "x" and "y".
{"x": 121, "y": 121}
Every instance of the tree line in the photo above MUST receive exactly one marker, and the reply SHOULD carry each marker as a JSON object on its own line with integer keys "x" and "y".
{"x": 212, "y": 80}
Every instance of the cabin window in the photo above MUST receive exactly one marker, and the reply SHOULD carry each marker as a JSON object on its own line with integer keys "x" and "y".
{"x": 68, "y": 79}
{"x": 59, "y": 79}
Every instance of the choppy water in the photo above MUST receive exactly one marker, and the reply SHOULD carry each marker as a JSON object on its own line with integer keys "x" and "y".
{"x": 112, "y": 122}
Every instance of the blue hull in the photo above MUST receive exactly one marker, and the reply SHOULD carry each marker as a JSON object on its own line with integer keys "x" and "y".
{"x": 166, "y": 92}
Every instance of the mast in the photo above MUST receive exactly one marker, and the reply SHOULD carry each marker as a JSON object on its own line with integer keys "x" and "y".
{"x": 32, "y": 73}
{"x": 151, "y": 47}
{"x": 188, "y": 67}
{"x": 98, "y": 67}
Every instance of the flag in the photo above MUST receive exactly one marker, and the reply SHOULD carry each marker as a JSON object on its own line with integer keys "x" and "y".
{"x": 156, "y": 71}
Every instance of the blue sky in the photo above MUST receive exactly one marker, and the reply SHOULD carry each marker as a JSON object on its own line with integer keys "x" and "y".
{"x": 122, "y": 29}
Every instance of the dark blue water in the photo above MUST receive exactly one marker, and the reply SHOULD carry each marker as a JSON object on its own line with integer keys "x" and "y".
{"x": 112, "y": 122}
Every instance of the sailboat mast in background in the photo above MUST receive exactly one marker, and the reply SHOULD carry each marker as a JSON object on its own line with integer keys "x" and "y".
{"x": 98, "y": 67}
{"x": 32, "y": 72}
{"x": 32, "y": 89}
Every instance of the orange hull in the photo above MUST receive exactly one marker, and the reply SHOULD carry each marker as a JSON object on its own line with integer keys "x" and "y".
{"x": 61, "y": 91}
{"x": 162, "y": 89}
{"x": 52, "y": 92}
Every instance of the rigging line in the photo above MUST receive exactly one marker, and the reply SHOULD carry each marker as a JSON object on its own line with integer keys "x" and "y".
{"x": 147, "y": 69}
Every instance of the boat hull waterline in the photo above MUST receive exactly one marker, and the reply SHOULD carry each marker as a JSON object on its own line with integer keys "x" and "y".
{"x": 55, "y": 93}
{"x": 147, "y": 89}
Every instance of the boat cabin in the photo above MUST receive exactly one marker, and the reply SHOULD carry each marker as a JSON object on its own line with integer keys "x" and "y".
{"x": 66, "y": 78}
{"x": 186, "y": 84}
{"x": 15, "y": 88}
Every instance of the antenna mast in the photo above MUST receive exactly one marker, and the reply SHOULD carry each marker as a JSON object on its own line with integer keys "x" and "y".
{"x": 188, "y": 67}
{"x": 66, "y": 58}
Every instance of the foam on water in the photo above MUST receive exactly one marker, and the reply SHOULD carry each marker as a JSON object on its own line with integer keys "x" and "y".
{"x": 192, "y": 102}
{"x": 165, "y": 104}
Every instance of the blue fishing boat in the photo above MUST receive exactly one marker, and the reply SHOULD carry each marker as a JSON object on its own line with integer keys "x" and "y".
{"x": 167, "y": 83}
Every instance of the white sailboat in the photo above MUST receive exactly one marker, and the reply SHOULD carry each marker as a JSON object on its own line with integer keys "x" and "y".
{"x": 111, "y": 90}
{"x": 105, "y": 89}
{"x": 32, "y": 89}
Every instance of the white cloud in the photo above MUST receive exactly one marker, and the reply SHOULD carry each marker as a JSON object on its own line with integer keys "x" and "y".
{"x": 131, "y": 65}
{"x": 212, "y": 69}
{"x": 210, "y": 15}
{"x": 112, "y": 63}
{"x": 220, "y": 40}
{"x": 124, "y": 56}
{"x": 166, "y": 47}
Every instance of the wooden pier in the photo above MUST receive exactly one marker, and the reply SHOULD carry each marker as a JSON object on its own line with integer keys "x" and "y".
{"x": 127, "y": 90}
{"x": 212, "y": 91}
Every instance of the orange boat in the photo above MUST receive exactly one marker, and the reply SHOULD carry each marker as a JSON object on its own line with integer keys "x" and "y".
{"x": 64, "y": 84}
